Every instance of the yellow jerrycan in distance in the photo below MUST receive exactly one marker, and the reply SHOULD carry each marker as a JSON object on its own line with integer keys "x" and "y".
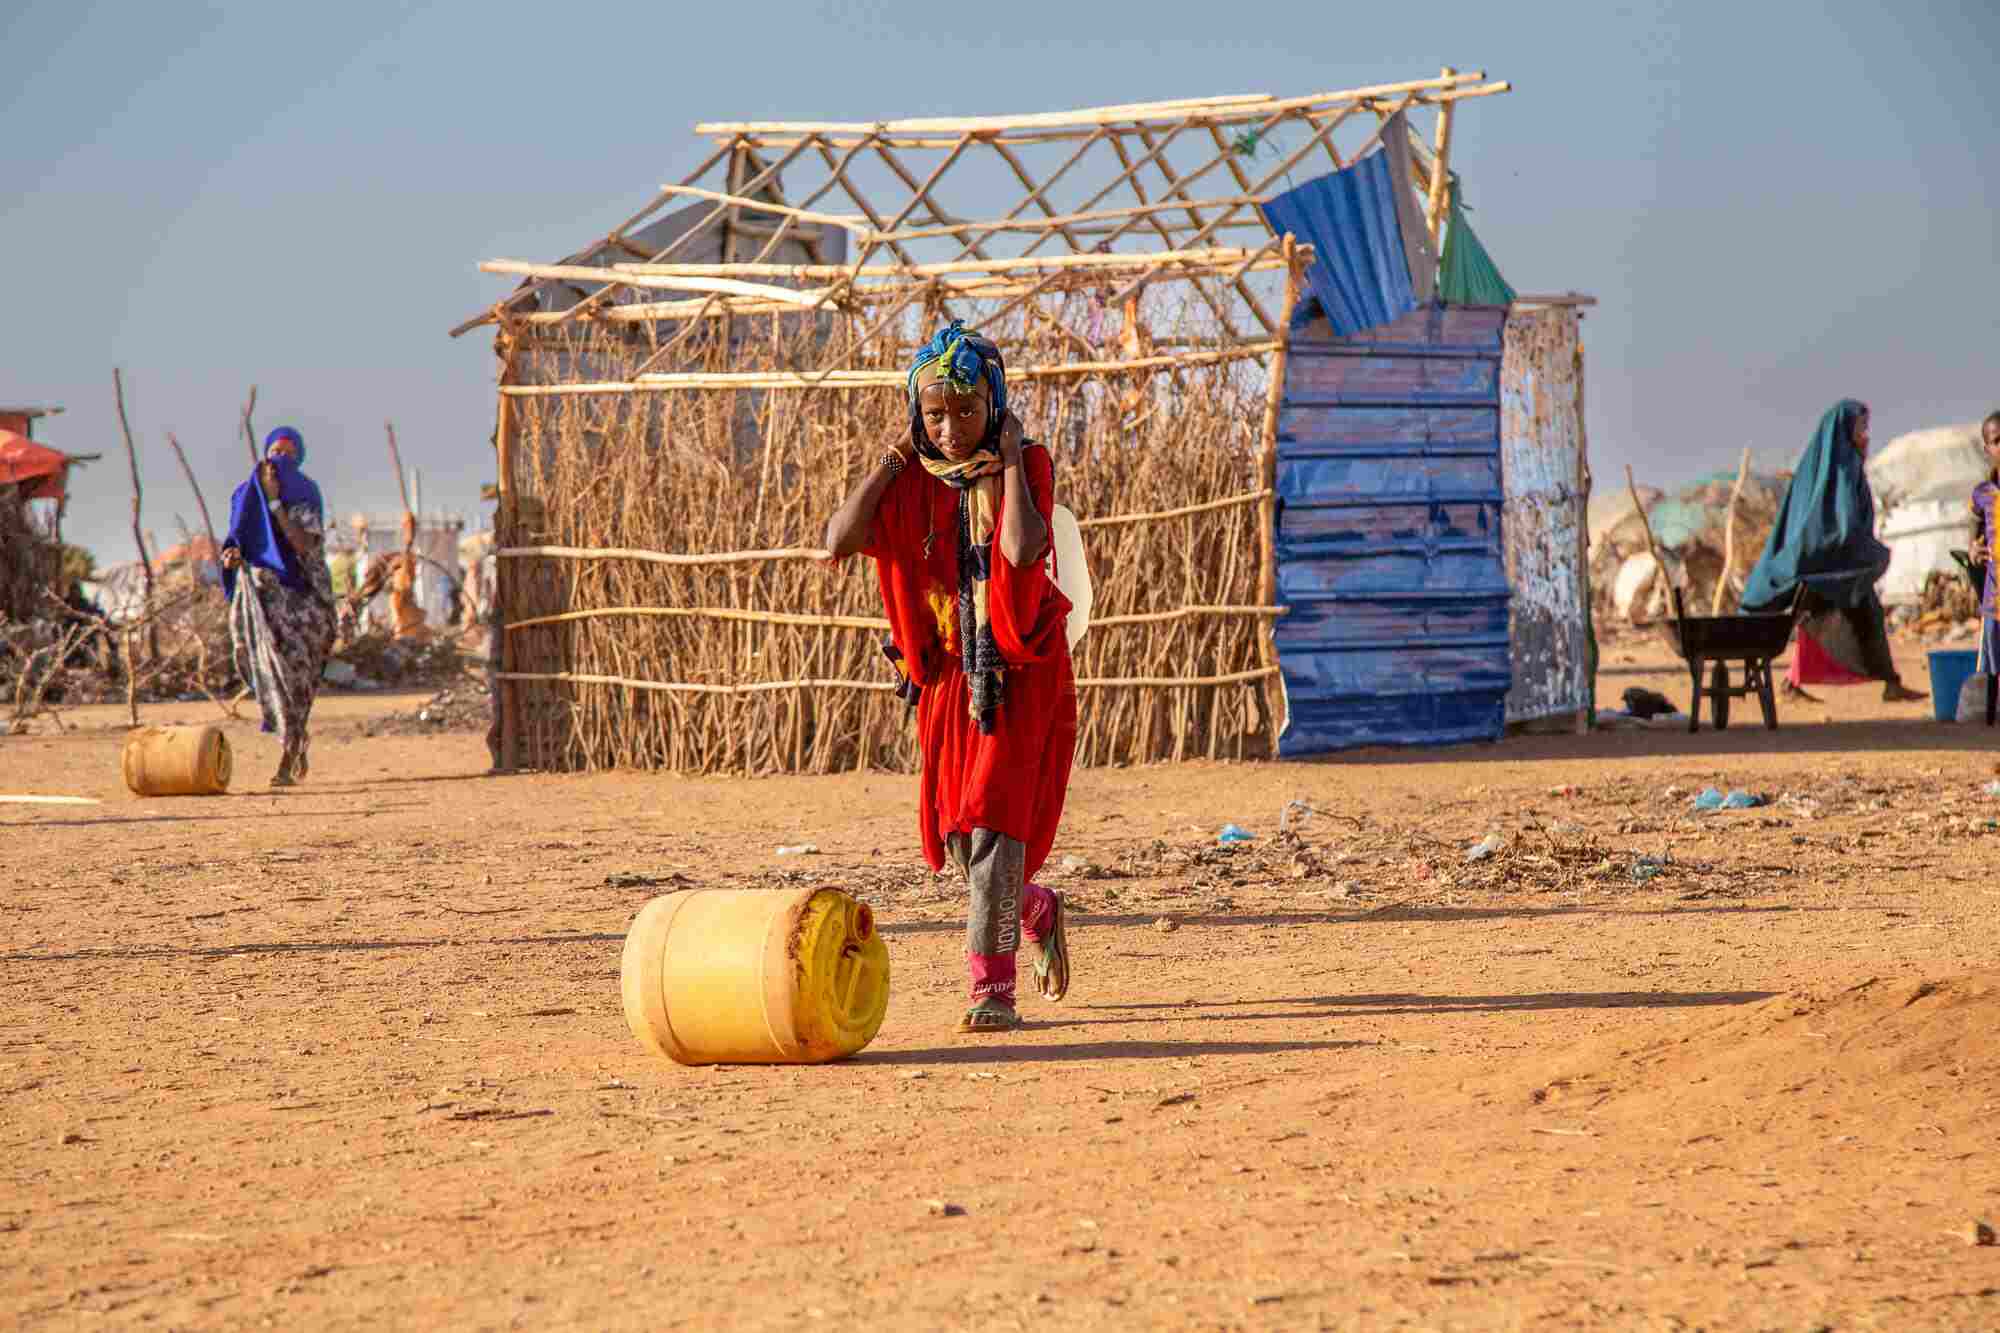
{"x": 177, "y": 761}
{"x": 754, "y": 976}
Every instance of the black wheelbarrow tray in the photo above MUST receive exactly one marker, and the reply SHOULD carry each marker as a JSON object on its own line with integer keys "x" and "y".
{"x": 1713, "y": 642}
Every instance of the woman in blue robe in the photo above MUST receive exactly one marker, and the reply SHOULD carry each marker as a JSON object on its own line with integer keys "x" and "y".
{"x": 281, "y": 615}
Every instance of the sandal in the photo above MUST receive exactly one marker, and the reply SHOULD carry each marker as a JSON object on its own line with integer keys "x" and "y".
{"x": 1791, "y": 691}
{"x": 990, "y": 1015}
{"x": 1895, "y": 692}
{"x": 1051, "y": 959}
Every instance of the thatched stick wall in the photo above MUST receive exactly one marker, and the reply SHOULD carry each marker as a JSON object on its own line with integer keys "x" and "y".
{"x": 665, "y": 600}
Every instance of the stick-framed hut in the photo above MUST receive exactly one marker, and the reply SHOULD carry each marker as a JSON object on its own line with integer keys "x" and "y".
{"x": 682, "y": 402}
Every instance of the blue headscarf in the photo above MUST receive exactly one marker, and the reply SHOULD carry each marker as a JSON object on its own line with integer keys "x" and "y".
{"x": 963, "y": 360}
{"x": 1824, "y": 539}
{"x": 251, "y": 530}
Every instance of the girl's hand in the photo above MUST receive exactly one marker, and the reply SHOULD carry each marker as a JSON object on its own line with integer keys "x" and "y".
{"x": 267, "y": 477}
{"x": 231, "y": 557}
{"x": 1011, "y": 434}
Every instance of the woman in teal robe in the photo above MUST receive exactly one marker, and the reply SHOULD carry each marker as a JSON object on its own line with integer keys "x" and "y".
{"x": 1823, "y": 555}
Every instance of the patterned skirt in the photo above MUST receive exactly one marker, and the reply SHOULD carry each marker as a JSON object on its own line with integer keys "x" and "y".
{"x": 282, "y": 637}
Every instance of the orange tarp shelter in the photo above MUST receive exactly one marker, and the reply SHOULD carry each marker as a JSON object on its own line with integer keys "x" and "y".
{"x": 41, "y": 473}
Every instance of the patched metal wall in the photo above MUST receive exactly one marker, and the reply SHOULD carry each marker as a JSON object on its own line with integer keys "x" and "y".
{"x": 1389, "y": 534}
{"x": 1547, "y": 482}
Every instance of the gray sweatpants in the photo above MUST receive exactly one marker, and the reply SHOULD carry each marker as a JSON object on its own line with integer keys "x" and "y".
{"x": 995, "y": 867}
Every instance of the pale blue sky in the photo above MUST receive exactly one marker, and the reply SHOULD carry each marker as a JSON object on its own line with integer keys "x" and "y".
{"x": 1777, "y": 204}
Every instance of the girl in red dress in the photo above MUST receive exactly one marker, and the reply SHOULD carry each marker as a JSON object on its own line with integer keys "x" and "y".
{"x": 957, "y": 517}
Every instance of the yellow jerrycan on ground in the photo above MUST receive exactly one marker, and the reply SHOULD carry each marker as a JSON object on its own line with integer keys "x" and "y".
{"x": 177, "y": 761}
{"x": 755, "y": 976}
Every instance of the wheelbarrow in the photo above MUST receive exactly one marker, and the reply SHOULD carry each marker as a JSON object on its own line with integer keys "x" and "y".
{"x": 1711, "y": 643}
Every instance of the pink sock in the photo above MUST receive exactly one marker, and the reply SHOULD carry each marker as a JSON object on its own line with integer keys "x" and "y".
{"x": 1038, "y": 912}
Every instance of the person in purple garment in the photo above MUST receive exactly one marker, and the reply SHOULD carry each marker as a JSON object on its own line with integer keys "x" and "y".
{"x": 1985, "y": 536}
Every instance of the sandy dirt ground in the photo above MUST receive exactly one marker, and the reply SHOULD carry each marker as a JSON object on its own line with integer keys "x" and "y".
{"x": 352, "y": 1055}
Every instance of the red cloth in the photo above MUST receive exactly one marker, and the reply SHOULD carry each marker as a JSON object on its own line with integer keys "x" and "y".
{"x": 41, "y": 472}
{"x": 1014, "y": 780}
{"x": 1812, "y": 664}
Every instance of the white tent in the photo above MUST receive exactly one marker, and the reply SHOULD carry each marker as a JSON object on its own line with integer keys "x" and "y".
{"x": 1923, "y": 491}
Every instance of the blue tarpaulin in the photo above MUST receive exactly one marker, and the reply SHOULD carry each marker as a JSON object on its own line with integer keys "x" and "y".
{"x": 1372, "y": 259}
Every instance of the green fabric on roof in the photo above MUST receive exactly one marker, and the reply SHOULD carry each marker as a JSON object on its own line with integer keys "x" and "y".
{"x": 1467, "y": 275}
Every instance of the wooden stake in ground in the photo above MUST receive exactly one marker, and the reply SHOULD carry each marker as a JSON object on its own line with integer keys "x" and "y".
{"x": 131, "y": 680}
{"x": 249, "y": 430}
{"x": 403, "y": 485}
{"x": 195, "y": 486}
{"x": 138, "y": 537}
{"x": 1652, "y": 546}
{"x": 402, "y": 592}
{"x": 1729, "y": 535}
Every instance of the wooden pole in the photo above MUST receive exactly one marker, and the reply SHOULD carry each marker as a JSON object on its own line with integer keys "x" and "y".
{"x": 187, "y": 553}
{"x": 208, "y": 524}
{"x": 994, "y": 286}
{"x": 656, "y": 382}
{"x": 1308, "y": 109}
{"x": 661, "y": 557}
{"x": 1729, "y": 535}
{"x": 822, "y": 620}
{"x": 396, "y": 461}
{"x": 1263, "y": 493}
{"x": 670, "y": 282}
{"x": 636, "y": 274}
{"x": 1242, "y": 106}
{"x": 1587, "y": 715}
{"x": 1267, "y": 508}
{"x": 403, "y": 486}
{"x": 1440, "y": 170}
{"x": 873, "y": 686}
{"x": 1652, "y": 546}
{"x": 499, "y": 648}
{"x": 250, "y": 430}
{"x": 138, "y": 537}
{"x": 131, "y": 679}
{"x": 818, "y": 621}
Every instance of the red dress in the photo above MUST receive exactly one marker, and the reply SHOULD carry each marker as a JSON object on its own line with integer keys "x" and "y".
{"x": 1014, "y": 780}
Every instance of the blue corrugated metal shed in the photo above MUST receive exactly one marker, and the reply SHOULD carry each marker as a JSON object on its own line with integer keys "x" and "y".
{"x": 1388, "y": 537}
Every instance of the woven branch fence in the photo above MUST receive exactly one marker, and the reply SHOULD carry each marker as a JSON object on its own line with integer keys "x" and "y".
{"x": 665, "y": 598}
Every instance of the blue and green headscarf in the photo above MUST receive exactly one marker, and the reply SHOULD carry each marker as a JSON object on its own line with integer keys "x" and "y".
{"x": 967, "y": 362}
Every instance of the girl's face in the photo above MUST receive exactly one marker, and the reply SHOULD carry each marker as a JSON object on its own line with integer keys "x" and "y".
{"x": 1989, "y": 435}
{"x": 954, "y": 421}
{"x": 1861, "y": 435}
{"x": 284, "y": 449}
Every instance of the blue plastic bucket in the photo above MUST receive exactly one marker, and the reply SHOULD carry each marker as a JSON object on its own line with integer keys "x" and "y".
{"x": 1950, "y": 668}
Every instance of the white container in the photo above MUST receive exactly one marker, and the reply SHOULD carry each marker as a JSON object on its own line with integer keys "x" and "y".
{"x": 1072, "y": 571}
